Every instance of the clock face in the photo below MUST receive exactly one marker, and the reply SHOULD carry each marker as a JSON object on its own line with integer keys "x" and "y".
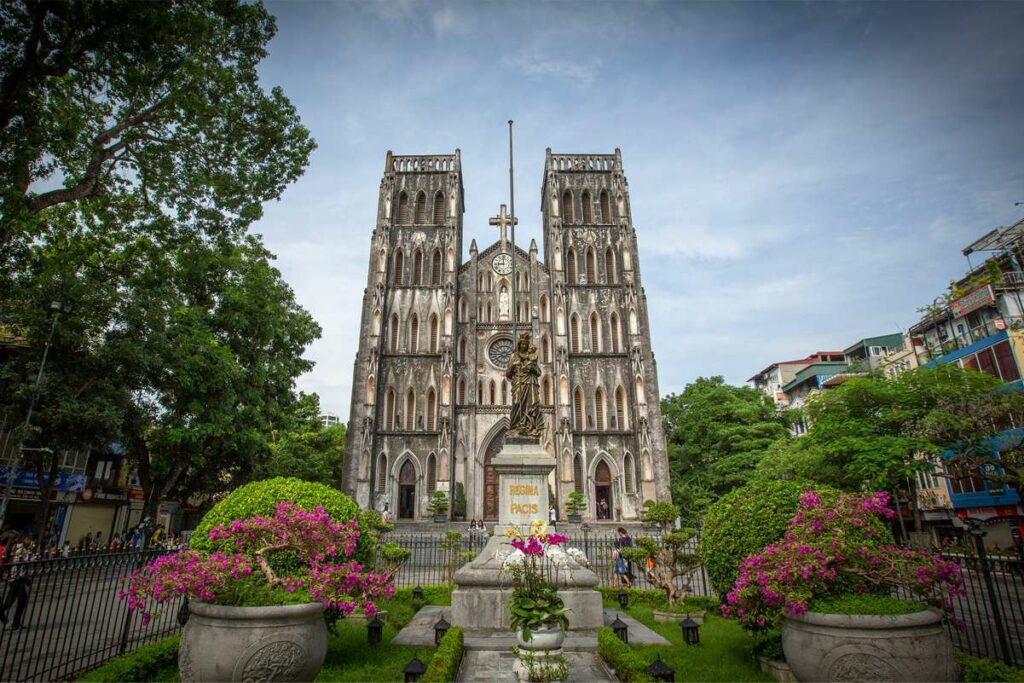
{"x": 502, "y": 264}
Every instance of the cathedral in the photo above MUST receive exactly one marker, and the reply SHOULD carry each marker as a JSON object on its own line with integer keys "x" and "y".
{"x": 430, "y": 401}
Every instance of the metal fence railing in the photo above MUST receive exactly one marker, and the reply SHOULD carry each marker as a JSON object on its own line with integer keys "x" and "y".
{"x": 74, "y": 622}
{"x": 72, "y": 619}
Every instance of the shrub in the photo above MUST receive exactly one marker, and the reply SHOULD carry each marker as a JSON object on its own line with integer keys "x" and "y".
{"x": 445, "y": 664}
{"x": 659, "y": 513}
{"x": 144, "y": 664}
{"x": 261, "y": 497}
{"x": 980, "y": 670}
{"x": 438, "y": 504}
{"x": 575, "y": 504}
{"x": 669, "y": 562}
{"x": 864, "y": 603}
{"x": 655, "y": 599}
{"x": 628, "y": 665}
{"x": 743, "y": 521}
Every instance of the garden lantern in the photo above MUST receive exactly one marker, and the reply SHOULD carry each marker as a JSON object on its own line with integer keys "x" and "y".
{"x": 414, "y": 669}
{"x": 417, "y": 593}
{"x": 440, "y": 628}
{"x": 375, "y": 631}
{"x": 691, "y": 631}
{"x": 623, "y": 597}
{"x": 621, "y": 630}
{"x": 660, "y": 671}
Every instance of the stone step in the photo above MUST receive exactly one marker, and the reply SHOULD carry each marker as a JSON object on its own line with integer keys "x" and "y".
{"x": 496, "y": 666}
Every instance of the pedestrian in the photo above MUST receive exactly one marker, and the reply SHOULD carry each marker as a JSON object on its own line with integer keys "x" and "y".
{"x": 66, "y": 550}
{"x": 18, "y": 584}
{"x": 602, "y": 509}
{"x": 552, "y": 516}
{"x": 623, "y": 567}
{"x": 137, "y": 539}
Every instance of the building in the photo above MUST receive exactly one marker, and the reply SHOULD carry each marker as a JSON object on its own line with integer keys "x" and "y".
{"x": 329, "y": 419}
{"x": 778, "y": 375}
{"x": 867, "y": 354}
{"x": 430, "y": 401}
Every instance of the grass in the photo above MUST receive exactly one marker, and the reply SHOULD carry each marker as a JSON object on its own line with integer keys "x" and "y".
{"x": 867, "y": 604}
{"x": 723, "y": 654}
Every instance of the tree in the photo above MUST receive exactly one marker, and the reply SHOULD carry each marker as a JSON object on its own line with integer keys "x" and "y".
{"x": 315, "y": 453}
{"x": 153, "y": 106}
{"x": 667, "y": 559}
{"x": 716, "y": 434}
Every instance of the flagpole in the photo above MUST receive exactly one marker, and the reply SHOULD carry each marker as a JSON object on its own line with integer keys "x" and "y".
{"x": 512, "y": 220}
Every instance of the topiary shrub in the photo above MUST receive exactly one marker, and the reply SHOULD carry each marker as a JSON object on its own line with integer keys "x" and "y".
{"x": 629, "y": 666}
{"x": 147, "y": 663}
{"x": 444, "y": 665}
{"x": 981, "y": 670}
{"x": 744, "y": 521}
{"x": 260, "y": 497}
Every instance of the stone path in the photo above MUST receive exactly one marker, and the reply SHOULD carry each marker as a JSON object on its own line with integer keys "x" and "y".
{"x": 486, "y": 666}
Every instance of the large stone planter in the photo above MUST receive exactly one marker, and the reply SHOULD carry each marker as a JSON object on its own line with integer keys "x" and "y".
{"x": 546, "y": 638}
{"x": 283, "y": 643}
{"x": 841, "y": 647}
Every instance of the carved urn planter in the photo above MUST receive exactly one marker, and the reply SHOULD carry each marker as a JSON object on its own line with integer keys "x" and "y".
{"x": 280, "y": 643}
{"x": 544, "y": 638}
{"x": 854, "y": 647}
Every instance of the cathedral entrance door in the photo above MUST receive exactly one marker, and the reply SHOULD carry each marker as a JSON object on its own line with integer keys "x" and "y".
{"x": 603, "y": 491}
{"x": 407, "y": 491}
{"x": 491, "y": 478}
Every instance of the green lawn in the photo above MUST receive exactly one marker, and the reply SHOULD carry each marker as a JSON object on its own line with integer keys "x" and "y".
{"x": 724, "y": 652}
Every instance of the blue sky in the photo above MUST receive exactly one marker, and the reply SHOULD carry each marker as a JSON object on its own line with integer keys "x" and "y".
{"x": 801, "y": 175}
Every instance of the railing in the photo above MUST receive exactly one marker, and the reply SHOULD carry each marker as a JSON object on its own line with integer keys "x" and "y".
{"x": 583, "y": 162}
{"x": 1014, "y": 278}
{"x": 72, "y": 620}
{"x": 424, "y": 164}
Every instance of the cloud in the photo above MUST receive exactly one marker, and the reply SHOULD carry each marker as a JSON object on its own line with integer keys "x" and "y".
{"x": 447, "y": 21}
{"x": 535, "y": 63}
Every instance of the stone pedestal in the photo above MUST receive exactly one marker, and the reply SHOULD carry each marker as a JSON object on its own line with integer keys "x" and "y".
{"x": 480, "y": 599}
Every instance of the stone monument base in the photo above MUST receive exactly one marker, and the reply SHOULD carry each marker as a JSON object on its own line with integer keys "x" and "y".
{"x": 480, "y": 599}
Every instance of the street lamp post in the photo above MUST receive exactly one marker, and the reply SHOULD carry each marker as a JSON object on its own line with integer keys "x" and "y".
{"x": 56, "y": 308}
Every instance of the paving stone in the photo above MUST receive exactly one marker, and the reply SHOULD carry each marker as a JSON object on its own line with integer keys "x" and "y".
{"x": 420, "y": 631}
{"x": 486, "y": 666}
{"x": 638, "y": 633}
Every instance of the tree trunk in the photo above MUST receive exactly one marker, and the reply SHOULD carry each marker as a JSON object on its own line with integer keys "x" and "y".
{"x": 45, "y": 478}
{"x": 915, "y": 510}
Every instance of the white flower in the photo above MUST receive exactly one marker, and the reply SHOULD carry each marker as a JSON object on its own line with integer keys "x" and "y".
{"x": 512, "y": 558}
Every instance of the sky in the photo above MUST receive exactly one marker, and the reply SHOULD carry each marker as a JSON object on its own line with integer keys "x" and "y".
{"x": 801, "y": 175}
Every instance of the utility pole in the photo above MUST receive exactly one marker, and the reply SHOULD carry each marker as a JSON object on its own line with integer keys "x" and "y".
{"x": 512, "y": 220}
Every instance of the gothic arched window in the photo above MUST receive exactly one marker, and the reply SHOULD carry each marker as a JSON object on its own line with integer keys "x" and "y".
{"x": 398, "y": 277}
{"x": 574, "y": 334}
{"x": 628, "y": 471}
{"x": 462, "y": 309}
{"x": 414, "y": 334}
{"x": 545, "y": 314}
{"x": 461, "y": 357}
{"x": 417, "y": 268}
{"x": 431, "y": 473}
{"x": 599, "y": 409}
{"x": 567, "y": 207}
{"x": 577, "y": 473}
{"x": 578, "y": 410}
{"x": 615, "y": 333}
{"x": 421, "y": 208}
{"x": 494, "y": 393}
{"x": 431, "y": 410}
{"x": 394, "y": 333}
{"x": 606, "y": 207}
{"x": 439, "y": 208}
{"x": 588, "y": 208}
{"x": 591, "y": 266}
{"x": 460, "y": 397}
{"x": 621, "y": 419}
{"x": 504, "y": 392}
{"x": 389, "y": 409}
{"x": 410, "y": 411}
{"x": 433, "y": 333}
{"x": 545, "y": 349}
{"x": 595, "y": 334}
{"x": 546, "y": 392}
{"x": 609, "y": 266}
{"x": 382, "y": 472}
{"x": 435, "y": 268}
{"x": 570, "y": 266}
{"x": 403, "y": 209}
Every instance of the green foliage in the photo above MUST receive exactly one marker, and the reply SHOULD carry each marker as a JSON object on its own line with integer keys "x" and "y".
{"x": 460, "y": 500}
{"x": 544, "y": 669}
{"x": 769, "y": 644}
{"x": 655, "y": 599}
{"x": 445, "y": 664}
{"x": 743, "y": 522}
{"x": 541, "y": 607}
{"x": 313, "y": 454}
{"x": 575, "y": 503}
{"x": 982, "y": 670}
{"x": 864, "y": 603}
{"x": 145, "y": 664}
{"x": 716, "y": 435}
{"x": 673, "y": 561}
{"x": 438, "y": 504}
{"x": 260, "y": 498}
{"x": 660, "y": 513}
{"x": 629, "y": 666}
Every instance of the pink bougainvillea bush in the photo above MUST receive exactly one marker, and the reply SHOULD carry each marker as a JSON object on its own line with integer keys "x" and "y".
{"x": 833, "y": 549}
{"x": 295, "y": 551}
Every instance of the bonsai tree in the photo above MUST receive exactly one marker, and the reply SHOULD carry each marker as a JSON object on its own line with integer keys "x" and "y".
{"x": 451, "y": 546}
{"x": 438, "y": 505}
{"x": 660, "y": 513}
{"x": 575, "y": 505}
{"x": 668, "y": 558}
{"x": 460, "y": 501}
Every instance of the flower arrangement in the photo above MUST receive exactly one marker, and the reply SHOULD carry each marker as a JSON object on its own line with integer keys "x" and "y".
{"x": 535, "y": 603}
{"x": 302, "y": 553}
{"x": 835, "y": 549}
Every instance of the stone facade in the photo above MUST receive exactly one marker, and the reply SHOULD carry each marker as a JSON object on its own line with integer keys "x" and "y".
{"x": 430, "y": 401}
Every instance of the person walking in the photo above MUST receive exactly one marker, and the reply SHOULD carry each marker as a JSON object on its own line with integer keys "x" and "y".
{"x": 623, "y": 567}
{"x": 553, "y": 516}
{"x": 18, "y": 584}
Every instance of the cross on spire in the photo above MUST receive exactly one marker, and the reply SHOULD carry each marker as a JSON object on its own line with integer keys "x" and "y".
{"x": 502, "y": 220}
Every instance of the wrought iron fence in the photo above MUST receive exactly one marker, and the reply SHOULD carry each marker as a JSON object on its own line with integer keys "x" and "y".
{"x": 71, "y": 619}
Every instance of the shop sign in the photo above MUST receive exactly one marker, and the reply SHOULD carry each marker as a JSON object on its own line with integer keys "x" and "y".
{"x": 979, "y": 298}
{"x": 26, "y": 478}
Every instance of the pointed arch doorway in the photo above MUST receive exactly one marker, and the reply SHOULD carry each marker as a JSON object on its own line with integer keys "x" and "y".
{"x": 491, "y": 477}
{"x": 603, "y": 490}
{"x": 407, "y": 491}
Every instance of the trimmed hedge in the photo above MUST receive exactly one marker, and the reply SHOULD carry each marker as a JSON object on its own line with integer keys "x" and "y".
{"x": 629, "y": 666}
{"x": 865, "y": 603}
{"x": 260, "y": 498}
{"x": 655, "y": 599}
{"x": 444, "y": 665}
{"x": 980, "y": 670}
{"x": 144, "y": 664}
{"x": 744, "y": 521}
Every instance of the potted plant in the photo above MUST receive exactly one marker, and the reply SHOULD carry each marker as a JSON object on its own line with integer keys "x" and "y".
{"x": 828, "y": 582}
{"x": 575, "y": 506}
{"x": 438, "y": 507}
{"x": 538, "y": 612}
{"x": 257, "y": 607}
{"x": 459, "y": 508}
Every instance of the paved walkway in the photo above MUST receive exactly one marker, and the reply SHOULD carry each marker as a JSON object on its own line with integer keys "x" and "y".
{"x": 488, "y": 666}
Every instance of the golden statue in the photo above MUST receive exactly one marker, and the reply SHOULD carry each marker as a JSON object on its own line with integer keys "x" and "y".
{"x": 524, "y": 372}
